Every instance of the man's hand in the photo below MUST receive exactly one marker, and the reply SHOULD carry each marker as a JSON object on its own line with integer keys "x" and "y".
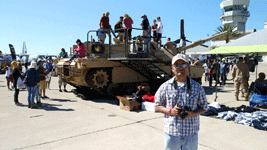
{"x": 176, "y": 110}
{"x": 189, "y": 114}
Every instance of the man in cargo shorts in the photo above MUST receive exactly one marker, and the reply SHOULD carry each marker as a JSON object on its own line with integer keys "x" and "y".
{"x": 60, "y": 82}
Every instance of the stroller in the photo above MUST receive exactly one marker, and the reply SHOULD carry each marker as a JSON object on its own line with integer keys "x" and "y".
{"x": 259, "y": 94}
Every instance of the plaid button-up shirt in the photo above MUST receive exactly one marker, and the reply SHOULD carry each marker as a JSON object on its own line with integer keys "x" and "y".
{"x": 169, "y": 95}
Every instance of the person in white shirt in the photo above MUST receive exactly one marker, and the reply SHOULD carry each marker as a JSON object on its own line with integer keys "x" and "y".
{"x": 8, "y": 70}
{"x": 206, "y": 67}
{"x": 48, "y": 78}
{"x": 160, "y": 30}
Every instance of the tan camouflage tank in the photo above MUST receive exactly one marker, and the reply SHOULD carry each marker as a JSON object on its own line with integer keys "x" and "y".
{"x": 117, "y": 69}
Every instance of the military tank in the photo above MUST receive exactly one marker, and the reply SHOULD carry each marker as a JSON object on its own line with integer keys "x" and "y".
{"x": 117, "y": 69}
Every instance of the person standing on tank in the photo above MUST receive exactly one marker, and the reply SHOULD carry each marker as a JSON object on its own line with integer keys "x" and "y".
{"x": 104, "y": 23}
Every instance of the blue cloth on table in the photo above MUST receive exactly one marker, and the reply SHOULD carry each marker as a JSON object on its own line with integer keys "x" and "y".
{"x": 259, "y": 95}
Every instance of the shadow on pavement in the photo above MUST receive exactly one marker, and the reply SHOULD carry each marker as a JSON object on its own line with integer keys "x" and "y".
{"x": 108, "y": 101}
{"x": 63, "y": 100}
{"x": 52, "y": 107}
{"x": 97, "y": 97}
{"x": 211, "y": 90}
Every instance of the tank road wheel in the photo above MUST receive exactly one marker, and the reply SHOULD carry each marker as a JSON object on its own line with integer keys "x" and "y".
{"x": 97, "y": 78}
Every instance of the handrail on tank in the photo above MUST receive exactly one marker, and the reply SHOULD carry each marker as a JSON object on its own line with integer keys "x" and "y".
{"x": 103, "y": 43}
{"x": 125, "y": 37}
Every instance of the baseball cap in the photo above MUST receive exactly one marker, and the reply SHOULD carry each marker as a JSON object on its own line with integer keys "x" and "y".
{"x": 143, "y": 16}
{"x": 179, "y": 56}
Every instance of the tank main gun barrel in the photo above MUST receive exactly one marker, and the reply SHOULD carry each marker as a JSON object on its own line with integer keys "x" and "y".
{"x": 200, "y": 42}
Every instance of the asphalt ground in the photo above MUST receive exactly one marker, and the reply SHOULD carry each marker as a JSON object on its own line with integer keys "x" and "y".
{"x": 65, "y": 121}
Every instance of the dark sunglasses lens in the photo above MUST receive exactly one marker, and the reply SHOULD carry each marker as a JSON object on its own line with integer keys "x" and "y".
{"x": 182, "y": 65}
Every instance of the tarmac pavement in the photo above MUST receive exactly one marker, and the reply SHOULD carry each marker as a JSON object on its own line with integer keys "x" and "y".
{"x": 65, "y": 121}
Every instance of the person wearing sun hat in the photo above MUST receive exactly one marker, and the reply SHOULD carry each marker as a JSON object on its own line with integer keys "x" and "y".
{"x": 16, "y": 74}
{"x": 32, "y": 79}
{"x": 181, "y": 100}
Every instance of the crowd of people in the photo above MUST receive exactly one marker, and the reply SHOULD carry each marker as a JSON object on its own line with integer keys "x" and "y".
{"x": 218, "y": 71}
{"x": 36, "y": 78}
{"x": 124, "y": 25}
{"x": 215, "y": 70}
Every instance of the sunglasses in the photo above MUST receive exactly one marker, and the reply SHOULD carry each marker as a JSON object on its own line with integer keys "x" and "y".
{"x": 184, "y": 65}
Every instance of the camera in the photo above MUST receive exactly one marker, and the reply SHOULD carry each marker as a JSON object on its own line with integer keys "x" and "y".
{"x": 183, "y": 114}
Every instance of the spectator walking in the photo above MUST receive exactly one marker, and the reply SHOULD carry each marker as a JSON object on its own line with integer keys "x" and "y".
{"x": 104, "y": 23}
{"x": 8, "y": 70}
{"x": 181, "y": 100}
{"x": 160, "y": 30}
{"x": 80, "y": 51}
{"x": 16, "y": 74}
{"x": 240, "y": 76}
{"x": 32, "y": 79}
{"x": 127, "y": 21}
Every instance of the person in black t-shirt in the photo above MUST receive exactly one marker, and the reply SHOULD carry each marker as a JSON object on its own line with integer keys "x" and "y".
{"x": 118, "y": 26}
{"x": 145, "y": 26}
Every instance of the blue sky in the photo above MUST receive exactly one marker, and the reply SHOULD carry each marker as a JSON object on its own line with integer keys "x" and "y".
{"x": 49, "y": 25}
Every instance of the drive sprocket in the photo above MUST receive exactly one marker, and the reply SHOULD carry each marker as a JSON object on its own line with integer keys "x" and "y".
{"x": 100, "y": 78}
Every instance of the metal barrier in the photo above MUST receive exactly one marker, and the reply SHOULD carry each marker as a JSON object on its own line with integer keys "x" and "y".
{"x": 145, "y": 43}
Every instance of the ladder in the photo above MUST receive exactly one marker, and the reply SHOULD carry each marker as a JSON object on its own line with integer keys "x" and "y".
{"x": 148, "y": 69}
{"x": 71, "y": 51}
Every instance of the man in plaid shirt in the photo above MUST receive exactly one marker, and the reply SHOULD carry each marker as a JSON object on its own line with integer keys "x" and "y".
{"x": 180, "y": 91}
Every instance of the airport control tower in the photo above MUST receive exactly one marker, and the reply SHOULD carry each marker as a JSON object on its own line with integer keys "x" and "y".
{"x": 235, "y": 12}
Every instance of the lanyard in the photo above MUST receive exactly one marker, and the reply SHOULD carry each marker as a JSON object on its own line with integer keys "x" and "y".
{"x": 186, "y": 95}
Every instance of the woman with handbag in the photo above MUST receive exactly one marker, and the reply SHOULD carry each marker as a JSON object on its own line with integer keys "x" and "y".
{"x": 31, "y": 79}
{"x": 16, "y": 74}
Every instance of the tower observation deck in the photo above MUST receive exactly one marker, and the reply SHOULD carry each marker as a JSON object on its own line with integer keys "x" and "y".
{"x": 235, "y": 12}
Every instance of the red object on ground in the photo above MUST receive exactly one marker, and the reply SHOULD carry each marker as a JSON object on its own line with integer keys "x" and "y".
{"x": 149, "y": 97}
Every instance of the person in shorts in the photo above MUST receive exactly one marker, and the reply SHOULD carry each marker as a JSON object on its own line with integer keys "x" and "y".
{"x": 8, "y": 70}
{"x": 42, "y": 75}
{"x": 60, "y": 82}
